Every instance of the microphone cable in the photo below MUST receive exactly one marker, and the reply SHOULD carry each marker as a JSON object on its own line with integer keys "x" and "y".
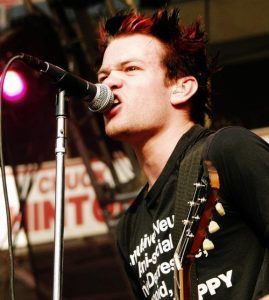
{"x": 4, "y": 183}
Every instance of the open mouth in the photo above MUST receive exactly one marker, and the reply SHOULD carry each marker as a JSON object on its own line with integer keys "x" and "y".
{"x": 113, "y": 109}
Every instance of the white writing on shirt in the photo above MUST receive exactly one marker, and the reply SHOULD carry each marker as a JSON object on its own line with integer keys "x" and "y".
{"x": 141, "y": 258}
{"x": 146, "y": 241}
{"x": 211, "y": 285}
{"x": 161, "y": 247}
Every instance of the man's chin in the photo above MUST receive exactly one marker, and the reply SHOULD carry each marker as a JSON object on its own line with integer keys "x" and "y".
{"x": 117, "y": 135}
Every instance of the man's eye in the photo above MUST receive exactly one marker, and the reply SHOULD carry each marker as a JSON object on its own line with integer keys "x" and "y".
{"x": 131, "y": 68}
{"x": 101, "y": 79}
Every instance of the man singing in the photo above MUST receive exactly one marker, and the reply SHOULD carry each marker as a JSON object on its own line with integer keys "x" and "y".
{"x": 159, "y": 72}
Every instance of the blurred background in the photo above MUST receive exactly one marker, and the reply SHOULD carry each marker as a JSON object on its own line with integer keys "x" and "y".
{"x": 102, "y": 176}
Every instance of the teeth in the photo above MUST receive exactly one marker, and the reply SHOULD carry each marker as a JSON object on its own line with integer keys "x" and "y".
{"x": 116, "y": 101}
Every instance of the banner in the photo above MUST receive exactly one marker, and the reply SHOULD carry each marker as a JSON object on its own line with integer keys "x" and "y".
{"x": 82, "y": 214}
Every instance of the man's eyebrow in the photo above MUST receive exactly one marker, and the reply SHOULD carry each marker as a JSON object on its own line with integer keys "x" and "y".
{"x": 120, "y": 64}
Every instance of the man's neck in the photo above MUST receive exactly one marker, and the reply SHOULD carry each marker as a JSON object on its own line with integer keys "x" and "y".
{"x": 155, "y": 152}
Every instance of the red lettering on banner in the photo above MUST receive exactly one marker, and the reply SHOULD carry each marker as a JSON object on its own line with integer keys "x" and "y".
{"x": 72, "y": 181}
{"x": 49, "y": 212}
{"x": 78, "y": 203}
{"x": 45, "y": 210}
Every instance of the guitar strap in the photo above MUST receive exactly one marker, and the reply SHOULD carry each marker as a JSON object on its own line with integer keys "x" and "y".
{"x": 190, "y": 170}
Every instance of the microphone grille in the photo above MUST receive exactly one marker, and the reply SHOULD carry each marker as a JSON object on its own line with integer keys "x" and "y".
{"x": 103, "y": 99}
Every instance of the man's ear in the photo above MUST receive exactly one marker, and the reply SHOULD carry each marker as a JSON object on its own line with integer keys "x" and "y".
{"x": 183, "y": 90}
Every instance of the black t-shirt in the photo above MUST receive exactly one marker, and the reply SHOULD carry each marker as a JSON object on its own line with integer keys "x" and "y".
{"x": 233, "y": 269}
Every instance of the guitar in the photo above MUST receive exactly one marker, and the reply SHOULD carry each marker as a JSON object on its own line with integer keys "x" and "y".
{"x": 196, "y": 227}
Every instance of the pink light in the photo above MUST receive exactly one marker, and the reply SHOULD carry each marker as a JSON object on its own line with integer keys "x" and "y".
{"x": 14, "y": 87}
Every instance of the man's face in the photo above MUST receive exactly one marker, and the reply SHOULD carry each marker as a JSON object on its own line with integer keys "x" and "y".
{"x": 132, "y": 68}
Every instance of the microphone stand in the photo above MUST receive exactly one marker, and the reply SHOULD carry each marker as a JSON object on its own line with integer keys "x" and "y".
{"x": 61, "y": 115}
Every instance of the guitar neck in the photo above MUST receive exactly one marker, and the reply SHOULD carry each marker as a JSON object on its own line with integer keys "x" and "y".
{"x": 195, "y": 230}
{"x": 184, "y": 283}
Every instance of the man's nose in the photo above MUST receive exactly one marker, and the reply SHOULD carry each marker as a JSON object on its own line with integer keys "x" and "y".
{"x": 113, "y": 80}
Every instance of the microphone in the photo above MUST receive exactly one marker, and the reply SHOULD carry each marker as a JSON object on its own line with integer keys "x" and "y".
{"x": 99, "y": 96}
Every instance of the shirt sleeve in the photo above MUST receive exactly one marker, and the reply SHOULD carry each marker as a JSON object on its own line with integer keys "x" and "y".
{"x": 242, "y": 161}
